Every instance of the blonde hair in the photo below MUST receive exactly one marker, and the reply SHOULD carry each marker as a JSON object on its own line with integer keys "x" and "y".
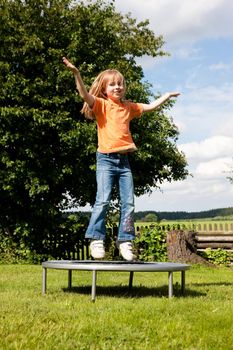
{"x": 98, "y": 88}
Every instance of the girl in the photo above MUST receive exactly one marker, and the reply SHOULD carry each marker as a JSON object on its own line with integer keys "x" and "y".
{"x": 106, "y": 104}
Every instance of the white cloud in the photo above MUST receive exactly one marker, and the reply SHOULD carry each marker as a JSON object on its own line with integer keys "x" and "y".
{"x": 205, "y": 112}
{"x": 215, "y": 168}
{"x": 221, "y": 66}
{"x": 183, "y": 20}
{"x": 212, "y": 94}
{"x": 226, "y": 127}
{"x": 193, "y": 194}
{"x": 211, "y": 148}
{"x": 188, "y": 52}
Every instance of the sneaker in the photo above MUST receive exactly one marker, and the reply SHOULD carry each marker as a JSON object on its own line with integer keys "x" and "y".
{"x": 126, "y": 250}
{"x": 97, "y": 249}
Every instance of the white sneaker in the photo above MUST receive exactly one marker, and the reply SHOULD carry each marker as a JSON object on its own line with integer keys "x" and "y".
{"x": 126, "y": 250}
{"x": 97, "y": 249}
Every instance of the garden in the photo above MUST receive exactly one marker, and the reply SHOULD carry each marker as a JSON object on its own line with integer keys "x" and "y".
{"x": 141, "y": 319}
{"x": 48, "y": 168}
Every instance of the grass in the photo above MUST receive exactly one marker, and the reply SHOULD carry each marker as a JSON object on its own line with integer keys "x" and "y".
{"x": 145, "y": 319}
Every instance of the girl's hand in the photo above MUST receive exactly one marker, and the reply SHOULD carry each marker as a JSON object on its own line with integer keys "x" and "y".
{"x": 159, "y": 101}
{"x": 88, "y": 98}
{"x": 174, "y": 94}
{"x": 68, "y": 64}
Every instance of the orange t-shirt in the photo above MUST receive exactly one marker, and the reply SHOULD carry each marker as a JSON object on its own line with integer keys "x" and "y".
{"x": 113, "y": 120}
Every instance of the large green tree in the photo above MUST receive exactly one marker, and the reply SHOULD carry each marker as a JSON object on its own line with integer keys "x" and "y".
{"x": 47, "y": 149}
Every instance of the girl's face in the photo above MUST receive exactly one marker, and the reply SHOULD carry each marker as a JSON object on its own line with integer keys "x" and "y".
{"x": 115, "y": 88}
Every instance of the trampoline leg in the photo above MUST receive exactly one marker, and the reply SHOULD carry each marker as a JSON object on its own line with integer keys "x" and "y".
{"x": 93, "y": 288}
{"x": 182, "y": 282}
{"x": 130, "y": 279}
{"x": 69, "y": 279}
{"x": 44, "y": 280}
{"x": 170, "y": 284}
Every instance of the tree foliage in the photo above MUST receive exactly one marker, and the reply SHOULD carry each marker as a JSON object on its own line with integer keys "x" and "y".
{"x": 219, "y": 213}
{"x": 47, "y": 148}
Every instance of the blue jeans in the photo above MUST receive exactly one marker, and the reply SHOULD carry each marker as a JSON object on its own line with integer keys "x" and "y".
{"x": 113, "y": 168}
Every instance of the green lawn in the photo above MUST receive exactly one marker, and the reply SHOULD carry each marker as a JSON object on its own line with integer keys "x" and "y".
{"x": 144, "y": 319}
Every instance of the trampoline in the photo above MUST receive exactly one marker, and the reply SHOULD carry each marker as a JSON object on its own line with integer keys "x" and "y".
{"x": 131, "y": 267}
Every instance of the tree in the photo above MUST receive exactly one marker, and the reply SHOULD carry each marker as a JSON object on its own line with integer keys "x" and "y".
{"x": 151, "y": 217}
{"x": 47, "y": 148}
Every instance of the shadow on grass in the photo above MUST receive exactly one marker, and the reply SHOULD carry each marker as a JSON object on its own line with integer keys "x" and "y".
{"x": 134, "y": 292}
{"x": 212, "y": 284}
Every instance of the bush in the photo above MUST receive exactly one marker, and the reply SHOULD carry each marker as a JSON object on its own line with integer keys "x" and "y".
{"x": 17, "y": 253}
{"x": 151, "y": 244}
{"x": 218, "y": 256}
{"x": 60, "y": 243}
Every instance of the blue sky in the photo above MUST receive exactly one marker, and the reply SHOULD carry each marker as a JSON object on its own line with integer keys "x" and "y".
{"x": 199, "y": 37}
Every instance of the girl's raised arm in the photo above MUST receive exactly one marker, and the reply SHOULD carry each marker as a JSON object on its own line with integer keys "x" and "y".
{"x": 88, "y": 98}
{"x": 159, "y": 101}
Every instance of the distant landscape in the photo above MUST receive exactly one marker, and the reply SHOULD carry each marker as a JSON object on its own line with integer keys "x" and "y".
{"x": 150, "y": 215}
{"x": 221, "y": 213}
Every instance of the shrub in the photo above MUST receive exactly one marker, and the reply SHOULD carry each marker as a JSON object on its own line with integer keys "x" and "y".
{"x": 59, "y": 243}
{"x": 17, "y": 253}
{"x": 218, "y": 256}
{"x": 151, "y": 244}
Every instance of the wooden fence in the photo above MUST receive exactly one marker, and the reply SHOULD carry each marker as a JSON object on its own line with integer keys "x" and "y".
{"x": 199, "y": 226}
{"x": 78, "y": 252}
{"x": 209, "y": 234}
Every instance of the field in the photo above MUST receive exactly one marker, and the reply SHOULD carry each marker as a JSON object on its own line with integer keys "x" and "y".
{"x": 145, "y": 319}
{"x": 198, "y": 225}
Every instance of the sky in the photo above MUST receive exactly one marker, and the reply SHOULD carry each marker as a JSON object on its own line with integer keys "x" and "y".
{"x": 199, "y": 38}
